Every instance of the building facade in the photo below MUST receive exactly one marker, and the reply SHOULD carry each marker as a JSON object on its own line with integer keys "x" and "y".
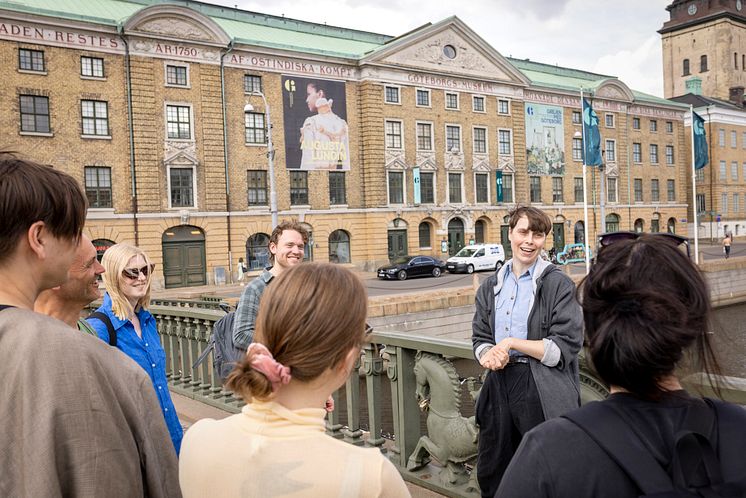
{"x": 381, "y": 146}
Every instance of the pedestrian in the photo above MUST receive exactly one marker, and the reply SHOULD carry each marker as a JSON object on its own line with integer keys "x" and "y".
{"x": 646, "y": 308}
{"x": 241, "y": 272}
{"x": 78, "y": 418}
{"x": 127, "y": 281}
{"x": 727, "y": 240}
{"x": 308, "y": 340}
{"x": 527, "y": 330}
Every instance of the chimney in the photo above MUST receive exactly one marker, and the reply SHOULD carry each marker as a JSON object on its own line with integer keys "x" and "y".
{"x": 735, "y": 95}
{"x": 694, "y": 85}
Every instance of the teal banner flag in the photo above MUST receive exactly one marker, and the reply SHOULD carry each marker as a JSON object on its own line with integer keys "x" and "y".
{"x": 591, "y": 137}
{"x": 700, "y": 141}
{"x": 416, "y": 180}
{"x": 499, "y": 185}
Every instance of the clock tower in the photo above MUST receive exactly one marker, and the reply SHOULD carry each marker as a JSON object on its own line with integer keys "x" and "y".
{"x": 704, "y": 40}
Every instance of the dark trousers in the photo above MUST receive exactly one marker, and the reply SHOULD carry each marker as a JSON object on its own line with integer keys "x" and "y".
{"x": 507, "y": 408}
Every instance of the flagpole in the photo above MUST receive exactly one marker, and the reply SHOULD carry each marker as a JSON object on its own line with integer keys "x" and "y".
{"x": 694, "y": 192}
{"x": 585, "y": 190}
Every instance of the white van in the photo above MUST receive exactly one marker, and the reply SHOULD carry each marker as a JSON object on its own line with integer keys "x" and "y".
{"x": 477, "y": 257}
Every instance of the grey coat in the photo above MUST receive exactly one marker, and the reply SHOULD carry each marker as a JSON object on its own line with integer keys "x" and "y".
{"x": 555, "y": 315}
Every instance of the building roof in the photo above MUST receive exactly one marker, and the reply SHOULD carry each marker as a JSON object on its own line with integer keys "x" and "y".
{"x": 702, "y": 101}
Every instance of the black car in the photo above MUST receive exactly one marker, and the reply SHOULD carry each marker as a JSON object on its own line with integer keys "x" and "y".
{"x": 412, "y": 266}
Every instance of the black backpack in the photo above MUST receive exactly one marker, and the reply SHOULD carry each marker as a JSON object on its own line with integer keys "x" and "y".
{"x": 225, "y": 353}
{"x": 104, "y": 318}
{"x": 692, "y": 450}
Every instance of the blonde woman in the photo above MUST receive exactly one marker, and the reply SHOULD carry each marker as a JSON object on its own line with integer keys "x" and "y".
{"x": 308, "y": 338}
{"x": 127, "y": 281}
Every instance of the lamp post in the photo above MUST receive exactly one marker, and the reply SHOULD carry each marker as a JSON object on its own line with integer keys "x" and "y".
{"x": 270, "y": 158}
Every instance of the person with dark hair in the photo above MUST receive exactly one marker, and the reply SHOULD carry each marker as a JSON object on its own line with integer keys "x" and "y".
{"x": 78, "y": 418}
{"x": 527, "y": 330}
{"x": 308, "y": 340}
{"x": 645, "y": 307}
{"x": 286, "y": 245}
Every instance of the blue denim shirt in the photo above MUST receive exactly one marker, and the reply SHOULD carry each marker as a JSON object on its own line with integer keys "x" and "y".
{"x": 149, "y": 354}
{"x": 513, "y": 305}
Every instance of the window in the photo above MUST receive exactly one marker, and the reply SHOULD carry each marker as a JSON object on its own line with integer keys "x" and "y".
{"x": 424, "y": 233}
{"x": 396, "y": 187}
{"x": 427, "y": 188}
{"x": 255, "y": 130}
{"x": 453, "y": 138}
{"x": 671, "y": 189}
{"x": 653, "y": 125}
{"x": 734, "y": 171}
{"x": 299, "y": 188}
{"x": 721, "y": 137}
{"x": 654, "y": 227}
{"x": 393, "y": 135}
{"x": 337, "y": 191}
{"x": 503, "y": 139}
{"x": 182, "y": 187}
{"x": 423, "y": 97}
{"x": 477, "y": 103}
{"x": 685, "y": 68}
{"x": 480, "y": 140}
{"x": 454, "y": 188}
{"x": 669, "y": 126}
{"x": 392, "y": 94}
{"x": 669, "y": 154}
{"x": 635, "y": 123}
{"x": 609, "y": 120}
{"x": 577, "y": 149}
{"x": 257, "y": 187}
{"x": 339, "y": 247}
{"x": 535, "y": 188}
{"x": 92, "y": 67}
{"x": 578, "y": 189}
{"x": 451, "y": 100}
{"x": 95, "y": 117}
{"x": 653, "y": 154}
{"x": 481, "y": 183}
{"x": 507, "y": 187}
{"x": 638, "y": 189}
{"x": 723, "y": 171}
{"x": 576, "y": 117}
{"x": 31, "y": 60}
{"x": 724, "y": 203}
{"x": 743, "y": 172}
{"x": 655, "y": 194}
{"x": 34, "y": 114}
{"x": 700, "y": 203}
{"x": 178, "y": 123}
{"x": 611, "y": 189}
{"x": 98, "y": 186}
{"x": 703, "y": 64}
{"x": 252, "y": 83}
{"x": 503, "y": 106}
{"x": 257, "y": 252}
{"x": 479, "y": 229}
{"x": 610, "y": 151}
{"x": 735, "y": 203}
{"x": 612, "y": 222}
{"x": 557, "y": 195}
{"x": 733, "y": 139}
{"x": 743, "y": 140}
{"x": 424, "y": 136}
{"x": 637, "y": 152}
{"x": 700, "y": 174}
{"x": 176, "y": 75}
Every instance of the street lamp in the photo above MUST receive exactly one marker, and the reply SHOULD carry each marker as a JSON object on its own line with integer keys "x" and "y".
{"x": 270, "y": 158}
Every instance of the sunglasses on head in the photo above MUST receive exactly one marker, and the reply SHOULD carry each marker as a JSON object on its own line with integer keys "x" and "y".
{"x": 607, "y": 239}
{"x": 134, "y": 273}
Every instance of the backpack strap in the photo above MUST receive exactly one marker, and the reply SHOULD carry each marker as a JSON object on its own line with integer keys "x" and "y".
{"x": 203, "y": 356}
{"x": 104, "y": 318}
{"x": 5, "y": 306}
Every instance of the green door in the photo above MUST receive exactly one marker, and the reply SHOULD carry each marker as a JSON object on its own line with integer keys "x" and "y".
{"x": 184, "y": 257}
{"x": 455, "y": 236}
{"x": 505, "y": 239}
{"x": 397, "y": 244}
{"x": 558, "y": 234}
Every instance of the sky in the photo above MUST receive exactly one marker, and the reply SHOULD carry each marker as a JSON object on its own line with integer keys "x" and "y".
{"x": 612, "y": 37}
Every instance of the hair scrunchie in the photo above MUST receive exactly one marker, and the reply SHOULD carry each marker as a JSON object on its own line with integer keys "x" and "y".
{"x": 263, "y": 361}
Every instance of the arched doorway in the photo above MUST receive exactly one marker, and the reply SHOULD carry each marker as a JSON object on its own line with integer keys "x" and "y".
{"x": 425, "y": 235}
{"x": 339, "y": 247}
{"x": 655, "y": 223}
{"x": 397, "y": 239}
{"x": 671, "y": 225}
{"x": 558, "y": 233}
{"x": 480, "y": 227}
{"x": 455, "y": 235}
{"x": 505, "y": 237}
{"x": 579, "y": 232}
{"x": 639, "y": 225}
{"x": 257, "y": 251}
{"x": 612, "y": 222}
{"x": 184, "y": 256}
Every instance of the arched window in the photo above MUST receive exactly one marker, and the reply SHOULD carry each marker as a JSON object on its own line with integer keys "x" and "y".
{"x": 101, "y": 246}
{"x": 639, "y": 225}
{"x": 257, "y": 252}
{"x": 612, "y": 222}
{"x": 703, "y": 64}
{"x": 479, "y": 228}
{"x": 671, "y": 225}
{"x": 424, "y": 231}
{"x": 579, "y": 232}
{"x": 686, "y": 67}
{"x": 339, "y": 247}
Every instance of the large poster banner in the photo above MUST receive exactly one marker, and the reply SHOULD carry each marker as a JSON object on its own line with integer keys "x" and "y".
{"x": 545, "y": 140}
{"x": 315, "y": 118}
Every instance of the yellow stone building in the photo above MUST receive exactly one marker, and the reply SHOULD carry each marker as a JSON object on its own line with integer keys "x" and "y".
{"x": 382, "y": 146}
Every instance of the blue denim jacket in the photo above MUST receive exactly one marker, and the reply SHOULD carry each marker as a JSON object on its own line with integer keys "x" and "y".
{"x": 149, "y": 354}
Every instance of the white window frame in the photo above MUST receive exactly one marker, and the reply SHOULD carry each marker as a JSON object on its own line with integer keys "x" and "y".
{"x": 510, "y": 132}
{"x": 668, "y": 199}
{"x": 562, "y": 191}
{"x": 507, "y": 101}
{"x": 432, "y": 136}
{"x": 460, "y": 137}
{"x": 191, "y": 121}
{"x": 401, "y": 133}
{"x": 489, "y": 190}
{"x": 608, "y": 115}
{"x": 733, "y": 139}
{"x": 723, "y": 170}
{"x": 429, "y": 98}
{"x": 657, "y": 154}
{"x": 474, "y": 106}
{"x": 572, "y": 149}
{"x": 616, "y": 189}
{"x": 512, "y": 186}
{"x": 106, "y": 136}
{"x": 606, "y": 151}
{"x": 448, "y": 187}
{"x": 734, "y": 171}
{"x": 458, "y": 101}
{"x": 435, "y": 187}
{"x": 398, "y": 92}
{"x": 90, "y": 77}
{"x": 486, "y": 139}
{"x": 194, "y": 185}
{"x": 670, "y": 147}
{"x": 633, "y": 153}
{"x": 403, "y": 187}
{"x": 176, "y": 64}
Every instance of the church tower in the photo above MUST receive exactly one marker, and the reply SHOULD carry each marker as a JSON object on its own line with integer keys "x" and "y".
{"x": 704, "y": 49}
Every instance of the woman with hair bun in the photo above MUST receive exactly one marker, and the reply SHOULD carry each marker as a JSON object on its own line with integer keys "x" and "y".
{"x": 309, "y": 330}
{"x": 646, "y": 309}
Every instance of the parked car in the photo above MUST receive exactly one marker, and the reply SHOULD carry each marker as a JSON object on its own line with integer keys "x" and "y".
{"x": 412, "y": 266}
{"x": 477, "y": 257}
{"x": 572, "y": 253}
